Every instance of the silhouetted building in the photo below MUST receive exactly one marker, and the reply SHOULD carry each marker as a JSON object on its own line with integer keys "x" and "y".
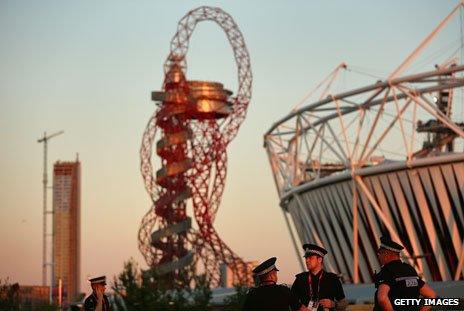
{"x": 227, "y": 277}
{"x": 32, "y": 297}
{"x": 66, "y": 229}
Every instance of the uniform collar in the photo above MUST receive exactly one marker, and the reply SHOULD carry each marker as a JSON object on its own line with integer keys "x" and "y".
{"x": 95, "y": 295}
{"x": 267, "y": 283}
{"x": 317, "y": 274}
{"x": 392, "y": 262}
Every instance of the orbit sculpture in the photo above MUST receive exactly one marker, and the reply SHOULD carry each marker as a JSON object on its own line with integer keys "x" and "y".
{"x": 194, "y": 123}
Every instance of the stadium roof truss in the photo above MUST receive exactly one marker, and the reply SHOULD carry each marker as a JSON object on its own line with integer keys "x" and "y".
{"x": 350, "y": 135}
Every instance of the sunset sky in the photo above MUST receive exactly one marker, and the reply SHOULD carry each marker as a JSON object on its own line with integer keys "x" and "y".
{"x": 88, "y": 68}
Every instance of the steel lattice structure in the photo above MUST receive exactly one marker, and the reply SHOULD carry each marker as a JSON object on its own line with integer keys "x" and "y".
{"x": 196, "y": 121}
{"x": 339, "y": 188}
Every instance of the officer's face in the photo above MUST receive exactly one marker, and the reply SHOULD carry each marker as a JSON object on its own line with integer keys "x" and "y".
{"x": 313, "y": 262}
{"x": 381, "y": 255}
{"x": 99, "y": 287}
{"x": 274, "y": 275}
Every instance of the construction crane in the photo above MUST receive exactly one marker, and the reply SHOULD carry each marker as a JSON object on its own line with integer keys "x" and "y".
{"x": 45, "y": 140}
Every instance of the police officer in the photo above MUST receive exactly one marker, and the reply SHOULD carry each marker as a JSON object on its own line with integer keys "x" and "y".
{"x": 316, "y": 288}
{"x": 97, "y": 301}
{"x": 396, "y": 279}
{"x": 269, "y": 295}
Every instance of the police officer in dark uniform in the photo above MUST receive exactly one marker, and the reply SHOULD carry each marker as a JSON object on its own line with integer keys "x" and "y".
{"x": 269, "y": 295}
{"x": 316, "y": 288}
{"x": 97, "y": 301}
{"x": 397, "y": 279}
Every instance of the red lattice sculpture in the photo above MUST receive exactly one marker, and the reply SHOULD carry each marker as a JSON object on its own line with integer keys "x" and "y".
{"x": 195, "y": 121}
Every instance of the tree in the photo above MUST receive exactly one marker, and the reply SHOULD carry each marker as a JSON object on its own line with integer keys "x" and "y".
{"x": 150, "y": 291}
{"x": 9, "y": 295}
{"x": 135, "y": 294}
{"x": 45, "y": 307}
{"x": 201, "y": 294}
{"x": 10, "y": 299}
{"x": 236, "y": 301}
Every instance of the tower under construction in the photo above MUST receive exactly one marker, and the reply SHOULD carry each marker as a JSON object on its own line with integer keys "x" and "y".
{"x": 66, "y": 228}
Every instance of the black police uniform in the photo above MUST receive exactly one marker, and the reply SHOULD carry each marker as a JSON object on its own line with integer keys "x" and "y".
{"x": 90, "y": 303}
{"x": 403, "y": 282}
{"x": 324, "y": 285}
{"x": 271, "y": 297}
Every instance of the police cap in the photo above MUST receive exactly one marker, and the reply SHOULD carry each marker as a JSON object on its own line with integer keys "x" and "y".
{"x": 388, "y": 244}
{"x": 98, "y": 280}
{"x": 265, "y": 267}
{"x": 313, "y": 249}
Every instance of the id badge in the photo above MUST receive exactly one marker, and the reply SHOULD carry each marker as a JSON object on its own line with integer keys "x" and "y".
{"x": 314, "y": 306}
{"x": 310, "y": 305}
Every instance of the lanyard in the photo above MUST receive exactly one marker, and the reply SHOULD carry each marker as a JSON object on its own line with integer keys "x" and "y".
{"x": 318, "y": 285}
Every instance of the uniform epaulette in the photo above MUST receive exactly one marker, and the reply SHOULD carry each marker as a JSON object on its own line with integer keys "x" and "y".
{"x": 301, "y": 274}
{"x": 330, "y": 274}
